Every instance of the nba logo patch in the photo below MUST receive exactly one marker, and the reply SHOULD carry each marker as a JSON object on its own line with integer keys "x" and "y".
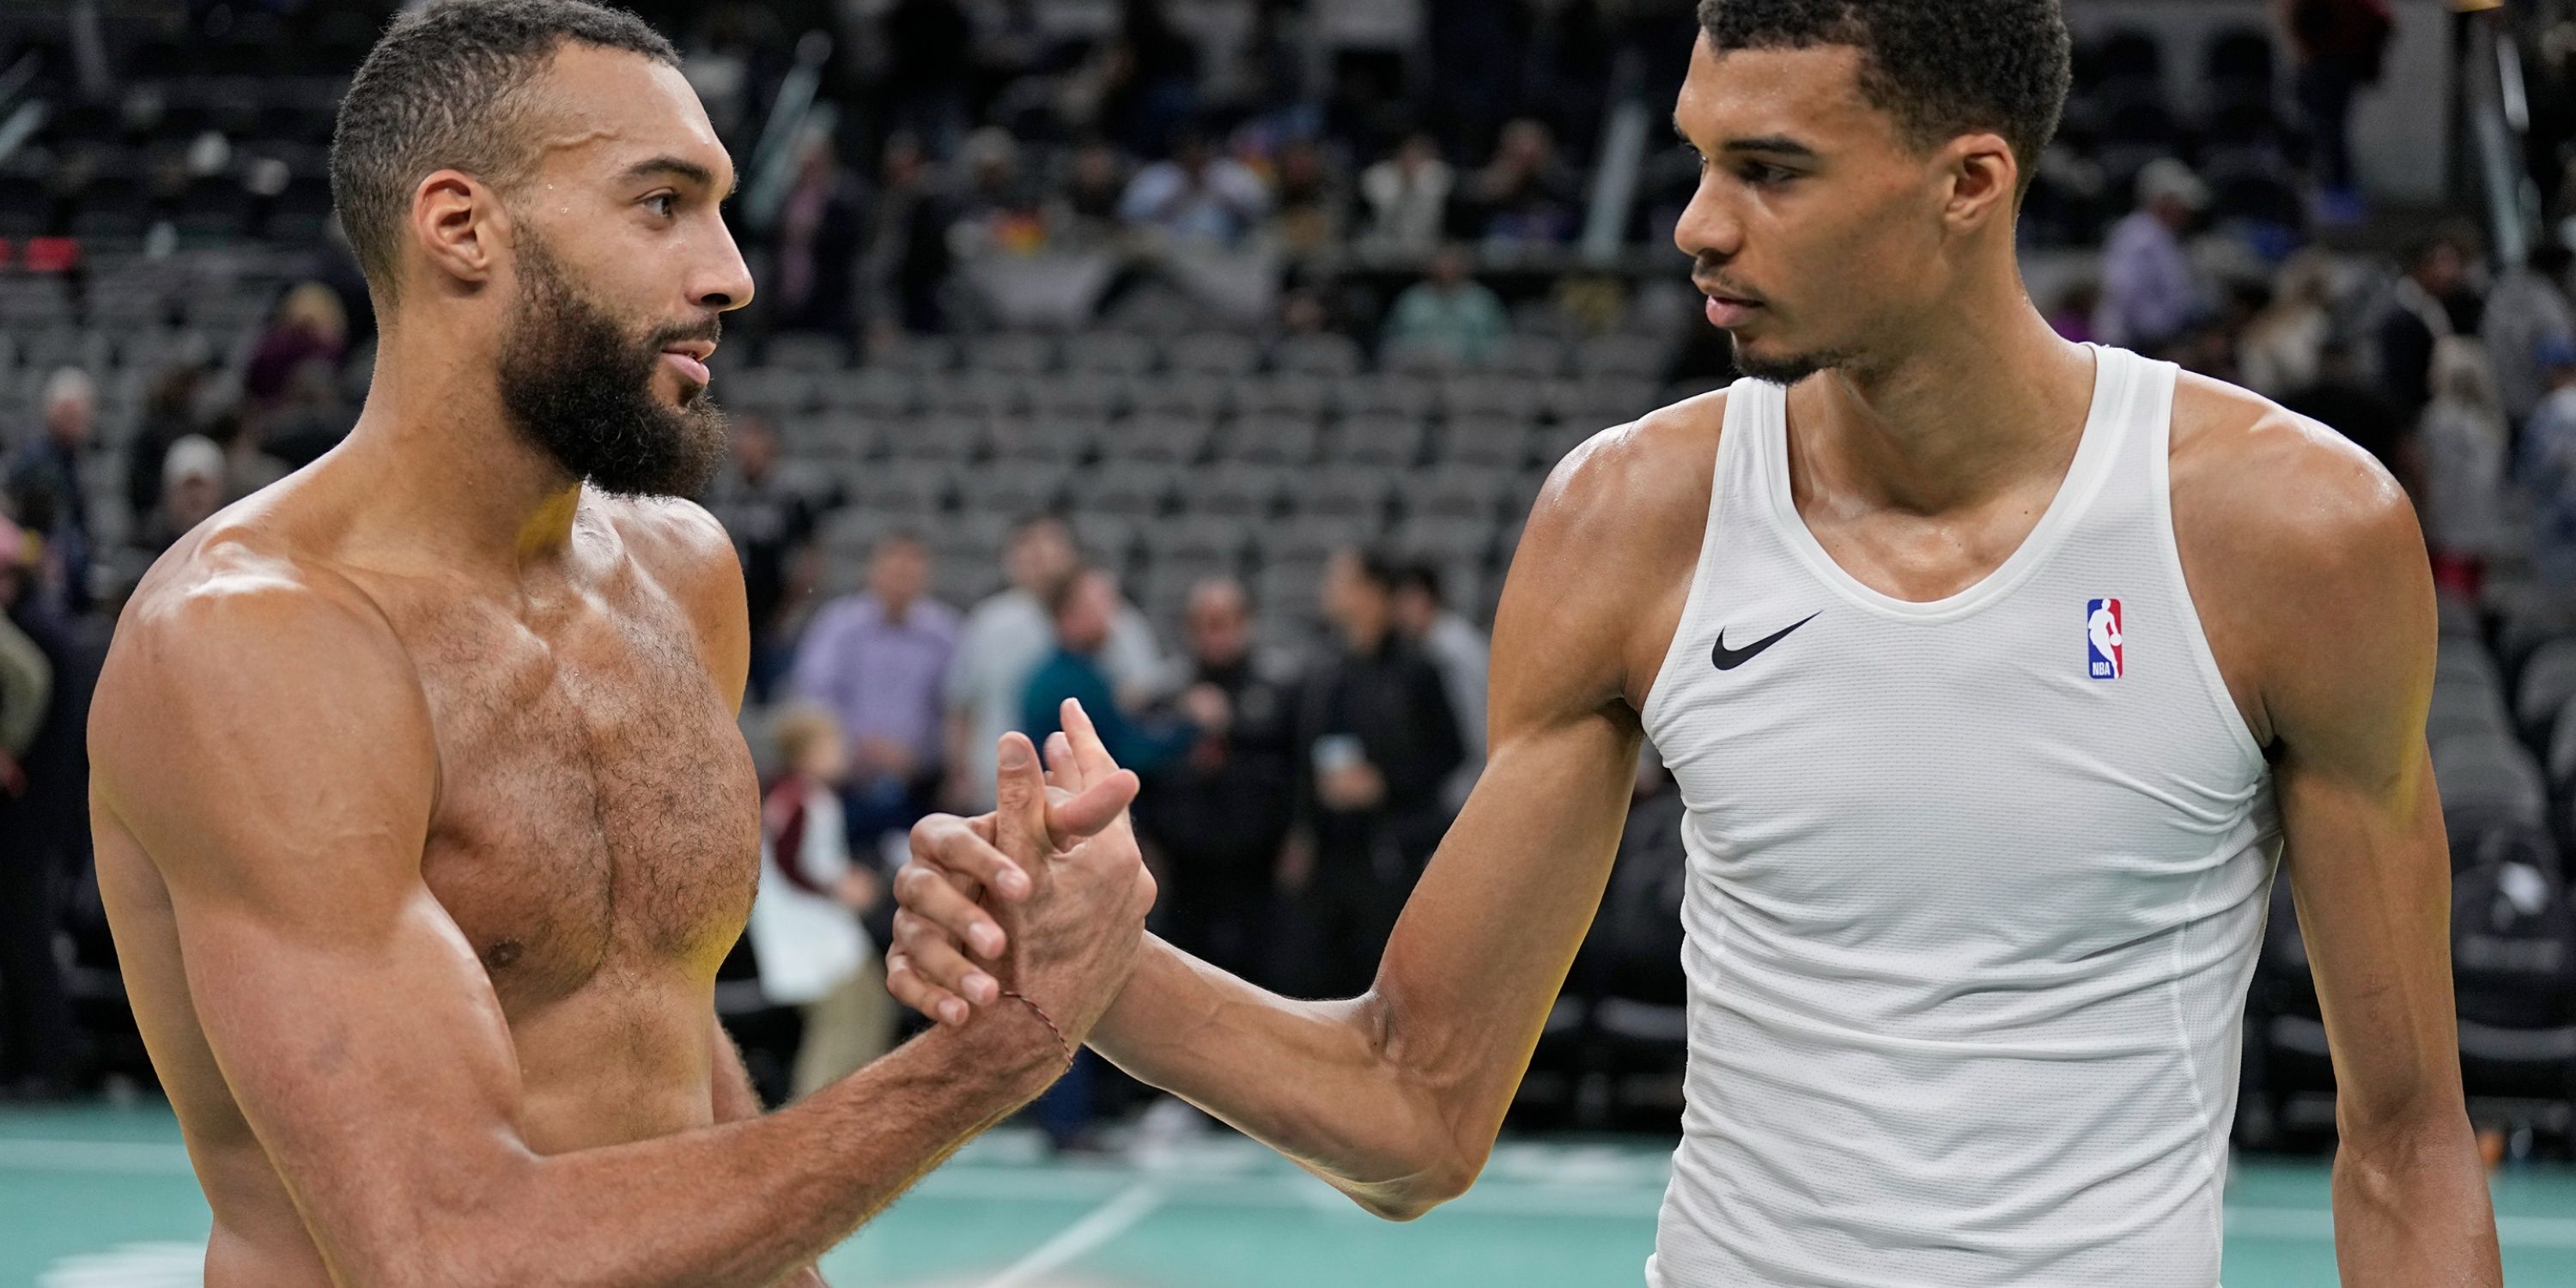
{"x": 2104, "y": 658}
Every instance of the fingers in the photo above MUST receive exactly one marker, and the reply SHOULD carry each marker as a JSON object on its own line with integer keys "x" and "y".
{"x": 929, "y": 897}
{"x": 1022, "y": 829}
{"x": 965, "y": 848}
{"x": 1063, "y": 770}
{"x": 1088, "y": 750}
{"x": 909, "y": 988}
{"x": 932, "y": 959}
{"x": 1087, "y": 815}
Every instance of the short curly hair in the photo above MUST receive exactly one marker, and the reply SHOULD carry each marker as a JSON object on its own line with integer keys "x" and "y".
{"x": 443, "y": 89}
{"x": 1942, "y": 68}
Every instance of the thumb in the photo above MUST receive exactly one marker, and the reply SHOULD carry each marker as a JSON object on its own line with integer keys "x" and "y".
{"x": 1079, "y": 817}
{"x": 1019, "y": 822}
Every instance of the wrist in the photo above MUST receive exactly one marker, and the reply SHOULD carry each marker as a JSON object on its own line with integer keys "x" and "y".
{"x": 1008, "y": 1043}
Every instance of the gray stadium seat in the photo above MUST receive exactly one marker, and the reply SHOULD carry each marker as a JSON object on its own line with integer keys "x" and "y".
{"x": 1539, "y": 356}
{"x": 1491, "y": 398}
{"x": 808, "y": 352}
{"x": 1316, "y": 355}
{"x": 1009, "y": 489}
{"x": 2491, "y": 775}
{"x": 2461, "y": 660}
{"x": 1110, "y": 538}
{"x": 1214, "y": 538}
{"x": 1078, "y": 393}
{"x": 1287, "y": 394}
{"x": 1443, "y": 539}
{"x": 1420, "y": 358}
{"x": 1239, "y": 489}
{"x": 1378, "y": 440}
{"x": 1458, "y": 492}
{"x": 918, "y": 354}
{"x": 1271, "y": 440}
{"x": 975, "y": 394}
{"x": 1162, "y": 440}
{"x": 1206, "y": 397}
{"x": 2466, "y": 710}
{"x": 1355, "y": 492}
{"x": 1134, "y": 489}
{"x": 1018, "y": 354}
{"x": 2548, "y": 681}
{"x": 1214, "y": 354}
{"x": 1388, "y": 395}
{"x": 909, "y": 496}
{"x": 1477, "y": 443}
{"x": 875, "y": 392}
{"x": 1307, "y": 538}
{"x": 945, "y": 439}
{"x": 1618, "y": 356}
{"x": 1059, "y": 441}
{"x": 1109, "y": 353}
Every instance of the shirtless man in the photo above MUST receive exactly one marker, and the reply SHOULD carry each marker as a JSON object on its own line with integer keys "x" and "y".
{"x": 1974, "y": 897}
{"x": 422, "y": 818}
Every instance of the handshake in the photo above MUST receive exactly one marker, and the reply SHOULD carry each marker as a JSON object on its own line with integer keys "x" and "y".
{"x": 1040, "y": 904}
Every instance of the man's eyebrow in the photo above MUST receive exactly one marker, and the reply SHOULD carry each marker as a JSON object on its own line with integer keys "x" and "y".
{"x": 1778, "y": 144}
{"x": 689, "y": 170}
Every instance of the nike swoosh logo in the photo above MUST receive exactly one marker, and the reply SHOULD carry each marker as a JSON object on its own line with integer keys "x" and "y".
{"x": 1728, "y": 659}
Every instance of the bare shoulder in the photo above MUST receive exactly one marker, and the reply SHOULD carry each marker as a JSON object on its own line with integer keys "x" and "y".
{"x": 680, "y": 547}
{"x": 1598, "y": 582}
{"x": 237, "y": 656}
{"x": 1636, "y": 487}
{"x": 2262, "y": 490}
{"x": 2305, "y": 564}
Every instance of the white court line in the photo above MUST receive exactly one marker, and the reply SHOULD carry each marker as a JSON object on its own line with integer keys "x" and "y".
{"x": 1106, "y": 1222}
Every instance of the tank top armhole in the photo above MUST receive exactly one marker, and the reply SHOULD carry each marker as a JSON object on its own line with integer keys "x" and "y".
{"x": 2213, "y": 680}
{"x": 1734, "y": 436}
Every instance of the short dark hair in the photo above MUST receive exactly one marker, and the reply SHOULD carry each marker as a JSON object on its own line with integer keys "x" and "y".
{"x": 1060, "y": 595}
{"x": 1942, "y": 68}
{"x": 442, "y": 90}
{"x": 1422, "y": 576}
{"x": 1377, "y": 567}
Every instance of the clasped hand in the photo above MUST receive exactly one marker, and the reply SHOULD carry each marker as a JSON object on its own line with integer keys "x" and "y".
{"x": 1045, "y": 897}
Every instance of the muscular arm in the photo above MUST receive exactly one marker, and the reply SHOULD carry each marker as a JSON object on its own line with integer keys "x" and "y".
{"x": 1395, "y": 1097}
{"x": 359, "y": 1034}
{"x": 2333, "y": 606}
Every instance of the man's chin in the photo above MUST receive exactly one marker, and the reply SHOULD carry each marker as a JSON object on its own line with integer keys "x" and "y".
{"x": 1773, "y": 364}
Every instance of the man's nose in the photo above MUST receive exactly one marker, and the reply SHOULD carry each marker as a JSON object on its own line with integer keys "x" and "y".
{"x": 727, "y": 285}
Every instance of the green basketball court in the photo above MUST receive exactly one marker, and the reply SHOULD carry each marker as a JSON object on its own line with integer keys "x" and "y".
{"x": 102, "y": 1198}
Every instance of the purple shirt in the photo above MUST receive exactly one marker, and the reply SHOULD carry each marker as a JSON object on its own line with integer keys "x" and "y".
{"x": 881, "y": 679}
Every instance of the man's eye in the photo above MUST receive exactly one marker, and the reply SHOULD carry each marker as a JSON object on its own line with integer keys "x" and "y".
{"x": 1761, "y": 175}
{"x": 664, "y": 204}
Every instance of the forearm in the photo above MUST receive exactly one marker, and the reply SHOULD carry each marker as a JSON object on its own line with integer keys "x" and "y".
{"x": 1314, "y": 1080}
{"x": 2411, "y": 1208}
{"x": 750, "y": 1202}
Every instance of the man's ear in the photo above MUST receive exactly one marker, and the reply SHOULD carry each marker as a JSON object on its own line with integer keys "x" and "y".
{"x": 1984, "y": 176}
{"x": 460, "y": 226}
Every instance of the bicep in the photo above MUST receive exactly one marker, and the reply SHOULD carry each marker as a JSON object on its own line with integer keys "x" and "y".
{"x": 2350, "y": 680}
{"x": 347, "y": 1015}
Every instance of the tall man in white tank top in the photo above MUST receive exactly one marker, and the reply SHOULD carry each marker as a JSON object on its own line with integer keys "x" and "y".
{"x": 1998, "y": 672}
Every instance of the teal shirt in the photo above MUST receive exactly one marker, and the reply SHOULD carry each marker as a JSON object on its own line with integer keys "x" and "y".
{"x": 1140, "y": 745}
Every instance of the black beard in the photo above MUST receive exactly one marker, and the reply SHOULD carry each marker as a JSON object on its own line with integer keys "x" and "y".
{"x": 580, "y": 389}
{"x": 1783, "y": 371}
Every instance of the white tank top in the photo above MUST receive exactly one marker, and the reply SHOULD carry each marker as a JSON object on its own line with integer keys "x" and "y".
{"x": 1976, "y": 887}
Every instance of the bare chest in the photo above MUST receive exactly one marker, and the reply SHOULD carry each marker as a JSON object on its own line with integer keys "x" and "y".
{"x": 597, "y": 810}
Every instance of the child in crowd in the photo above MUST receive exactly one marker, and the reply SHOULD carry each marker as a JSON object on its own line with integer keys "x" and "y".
{"x": 805, "y": 930}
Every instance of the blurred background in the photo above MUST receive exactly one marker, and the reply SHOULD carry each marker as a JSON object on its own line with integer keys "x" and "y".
{"x": 1202, "y": 357}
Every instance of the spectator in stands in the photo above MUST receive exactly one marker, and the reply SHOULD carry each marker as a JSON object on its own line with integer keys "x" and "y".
{"x": 2546, "y": 468}
{"x": 805, "y": 929}
{"x": 2343, "y": 401}
{"x": 822, "y": 225}
{"x": 1083, "y": 215}
{"x": 1408, "y": 196}
{"x": 1004, "y": 640}
{"x": 47, "y": 491}
{"x": 1448, "y": 312}
{"x": 2463, "y": 443}
{"x": 2151, "y": 293}
{"x": 907, "y": 256}
{"x": 1463, "y": 655}
{"x": 2430, "y": 301}
{"x": 879, "y": 662}
{"x": 1219, "y": 816}
{"x": 1526, "y": 195}
{"x": 26, "y": 678}
{"x": 1378, "y": 742}
{"x": 311, "y": 420}
{"x": 1312, "y": 201}
{"x": 1196, "y": 196}
{"x": 1149, "y": 78}
{"x": 169, "y": 414}
{"x": 2073, "y": 315}
{"x": 310, "y": 326}
{"x": 772, "y": 525}
{"x": 192, "y": 489}
{"x": 43, "y": 829}
{"x": 1084, "y": 607}
{"x": 998, "y": 211}
{"x": 2526, "y": 311}
{"x": 2341, "y": 47}
{"x": 247, "y": 467}
{"x": 2284, "y": 344}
